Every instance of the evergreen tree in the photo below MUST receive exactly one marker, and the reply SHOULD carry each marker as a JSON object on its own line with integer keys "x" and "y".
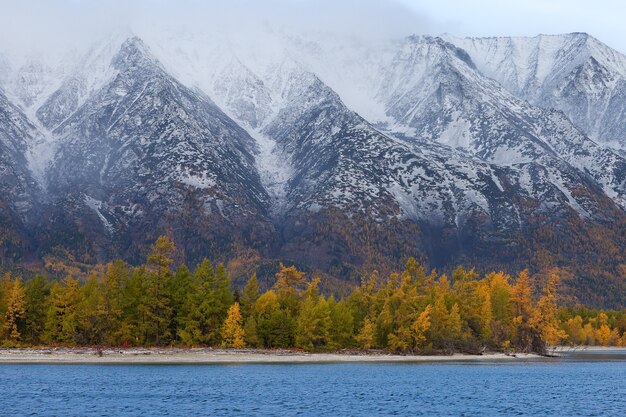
{"x": 223, "y": 292}
{"x": 179, "y": 290}
{"x": 61, "y": 319}
{"x": 207, "y": 307}
{"x": 116, "y": 330}
{"x": 161, "y": 254}
{"x": 249, "y": 296}
{"x": 157, "y": 281}
{"x": 91, "y": 314}
{"x": 274, "y": 327}
{"x": 198, "y": 323}
{"x": 341, "y": 332}
{"x": 362, "y": 301}
{"x": 37, "y": 293}
{"x": 134, "y": 305}
{"x": 313, "y": 323}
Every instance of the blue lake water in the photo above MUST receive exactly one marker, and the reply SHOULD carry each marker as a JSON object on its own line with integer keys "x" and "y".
{"x": 577, "y": 386}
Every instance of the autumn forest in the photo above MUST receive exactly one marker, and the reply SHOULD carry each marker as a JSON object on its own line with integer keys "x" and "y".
{"x": 414, "y": 311}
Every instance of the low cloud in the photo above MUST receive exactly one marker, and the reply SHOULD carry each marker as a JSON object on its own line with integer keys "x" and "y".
{"x": 48, "y": 25}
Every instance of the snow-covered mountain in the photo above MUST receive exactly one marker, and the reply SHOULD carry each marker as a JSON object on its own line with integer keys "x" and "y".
{"x": 142, "y": 149}
{"x": 433, "y": 90}
{"x": 574, "y": 73}
{"x": 19, "y": 191}
{"x": 329, "y": 152}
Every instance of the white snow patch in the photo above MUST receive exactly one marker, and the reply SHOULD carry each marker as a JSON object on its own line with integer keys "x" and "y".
{"x": 197, "y": 181}
{"x": 557, "y": 181}
{"x": 40, "y": 155}
{"x": 315, "y": 208}
{"x": 220, "y": 207}
{"x": 510, "y": 156}
{"x": 496, "y": 180}
{"x": 274, "y": 169}
{"x": 405, "y": 200}
{"x": 457, "y": 133}
{"x": 96, "y": 205}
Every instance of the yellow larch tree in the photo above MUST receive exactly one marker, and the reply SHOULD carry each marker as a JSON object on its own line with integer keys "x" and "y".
{"x": 544, "y": 317}
{"x": 527, "y": 336}
{"x": 289, "y": 277}
{"x": 365, "y": 338}
{"x": 485, "y": 315}
{"x": 420, "y": 328}
{"x": 16, "y": 310}
{"x": 232, "y": 330}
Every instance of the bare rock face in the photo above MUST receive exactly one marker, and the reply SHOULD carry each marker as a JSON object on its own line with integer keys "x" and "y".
{"x": 19, "y": 192}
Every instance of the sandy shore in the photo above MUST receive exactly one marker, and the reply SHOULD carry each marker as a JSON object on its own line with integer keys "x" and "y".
{"x": 216, "y": 356}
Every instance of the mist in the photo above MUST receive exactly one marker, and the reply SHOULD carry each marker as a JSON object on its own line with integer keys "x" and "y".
{"x": 51, "y": 26}
{"x": 602, "y": 19}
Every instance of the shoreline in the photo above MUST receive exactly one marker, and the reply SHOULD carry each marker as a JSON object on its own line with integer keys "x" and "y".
{"x": 63, "y": 355}
{"x": 588, "y": 349}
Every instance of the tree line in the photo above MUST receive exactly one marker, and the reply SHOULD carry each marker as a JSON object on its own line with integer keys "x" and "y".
{"x": 411, "y": 312}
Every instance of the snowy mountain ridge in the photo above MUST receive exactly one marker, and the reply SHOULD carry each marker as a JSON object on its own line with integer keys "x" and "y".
{"x": 574, "y": 73}
{"x": 304, "y": 149}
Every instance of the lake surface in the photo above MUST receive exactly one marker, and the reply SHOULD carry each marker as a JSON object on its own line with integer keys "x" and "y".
{"x": 574, "y": 386}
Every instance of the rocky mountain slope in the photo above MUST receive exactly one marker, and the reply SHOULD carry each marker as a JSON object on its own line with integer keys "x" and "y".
{"x": 333, "y": 155}
{"x": 574, "y": 73}
{"x": 144, "y": 153}
{"x": 19, "y": 191}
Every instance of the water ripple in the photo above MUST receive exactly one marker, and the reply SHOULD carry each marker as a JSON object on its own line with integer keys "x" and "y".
{"x": 460, "y": 389}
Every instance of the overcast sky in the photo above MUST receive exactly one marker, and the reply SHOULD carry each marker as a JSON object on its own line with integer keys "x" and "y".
{"x": 53, "y": 22}
{"x": 603, "y": 19}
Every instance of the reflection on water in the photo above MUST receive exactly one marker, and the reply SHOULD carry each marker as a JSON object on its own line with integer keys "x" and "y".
{"x": 591, "y": 354}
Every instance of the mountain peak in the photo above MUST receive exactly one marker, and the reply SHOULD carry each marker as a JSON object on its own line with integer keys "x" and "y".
{"x": 574, "y": 72}
{"x": 133, "y": 53}
{"x": 442, "y": 45}
{"x": 311, "y": 145}
{"x": 580, "y": 34}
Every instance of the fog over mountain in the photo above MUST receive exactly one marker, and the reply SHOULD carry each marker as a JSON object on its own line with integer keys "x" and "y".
{"x": 318, "y": 138}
